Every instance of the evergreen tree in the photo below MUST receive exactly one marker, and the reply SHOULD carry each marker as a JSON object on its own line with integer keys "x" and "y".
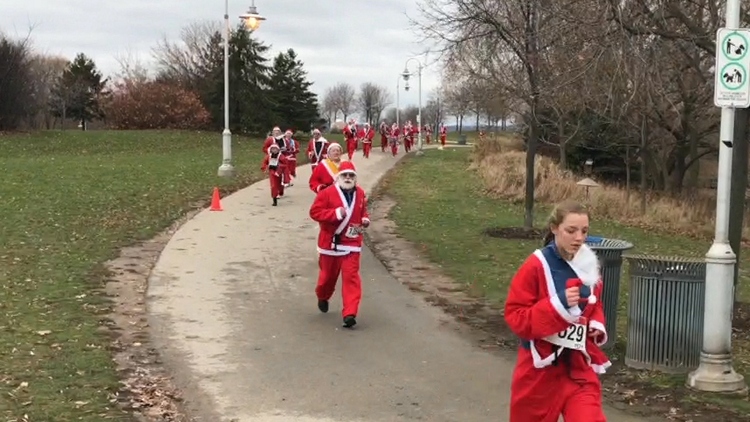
{"x": 78, "y": 92}
{"x": 249, "y": 102}
{"x": 294, "y": 104}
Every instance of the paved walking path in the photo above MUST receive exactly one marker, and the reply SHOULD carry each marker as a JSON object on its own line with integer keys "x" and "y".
{"x": 243, "y": 335}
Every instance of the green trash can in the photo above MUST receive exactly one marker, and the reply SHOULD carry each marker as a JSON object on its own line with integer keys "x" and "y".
{"x": 610, "y": 253}
{"x": 462, "y": 139}
{"x": 665, "y": 313}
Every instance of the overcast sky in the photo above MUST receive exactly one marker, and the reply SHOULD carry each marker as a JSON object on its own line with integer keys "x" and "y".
{"x": 339, "y": 41}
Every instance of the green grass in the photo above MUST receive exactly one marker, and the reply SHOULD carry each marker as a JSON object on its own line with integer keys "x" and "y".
{"x": 68, "y": 201}
{"x": 442, "y": 209}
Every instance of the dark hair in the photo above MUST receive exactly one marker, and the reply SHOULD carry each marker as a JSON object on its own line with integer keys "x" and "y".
{"x": 558, "y": 214}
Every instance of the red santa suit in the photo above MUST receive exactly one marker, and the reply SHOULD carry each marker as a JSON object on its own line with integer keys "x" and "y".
{"x": 324, "y": 174}
{"x": 408, "y": 137}
{"x": 342, "y": 215}
{"x": 350, "y": 134}
{"x": 276, "y": 137}
{"x": 291, "y": 149}
{"x": 559, "y": 358}
{"x": 366, "y": 134}
{"x": 395, "y": 133}
{"x": 317, "y": 148}
{"x": 443, "y": 135}
{"x": 275, "y": 164}
{"x": 383, "y": 136}
{"x": 428, "y": 134}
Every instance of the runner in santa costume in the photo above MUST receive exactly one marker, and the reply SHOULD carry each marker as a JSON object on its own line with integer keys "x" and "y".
{"x": 275, "y": 164}
{"x": 291, "y": 149}
{"x": 383, "y": 135}
{"x": 443, "y": 135}
{"x": 366, "y": 134}
{"x": 395, "y": 134}
{"x": 428, "y": 134}
{"x": 553, "y": 306}
{"x": 277, "y": 138}
{"x": 324, "y": 175}
{"x": 350, "y": 134}
{"x": 408, "y": 136}
{"x": 317, "y": 148}
{"x": 341, "y": 212}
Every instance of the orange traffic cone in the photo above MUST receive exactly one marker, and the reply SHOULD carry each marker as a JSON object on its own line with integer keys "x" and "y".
{"x": 216, "y": 201}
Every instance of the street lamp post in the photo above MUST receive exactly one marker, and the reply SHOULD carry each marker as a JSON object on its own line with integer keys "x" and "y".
{"x": 398, "y": 88}
{"x": 406, "y": 74}
{"x": 252, "y": 21}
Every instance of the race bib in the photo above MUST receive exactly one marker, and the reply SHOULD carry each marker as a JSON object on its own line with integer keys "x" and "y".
{"x": 573, "y": 337}
{"x": 353, "y": 232}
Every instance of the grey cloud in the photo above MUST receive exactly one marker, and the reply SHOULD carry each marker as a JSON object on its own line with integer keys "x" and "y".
{"x": 354, "y": 42}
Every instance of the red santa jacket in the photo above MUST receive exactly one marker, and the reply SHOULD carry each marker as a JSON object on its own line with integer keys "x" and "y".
{"x": 292, "y": 149}
{"x": 535, "y": 311}
{"x": 273, "y": 165}
{"x": 271, "y": 140}
{"x": 350, "y": 132}
{"x": 323, "y": 175}
{"x": 339, "y": 234}
{"x": 317, "y": 150}
{"x": 366, "y": 135}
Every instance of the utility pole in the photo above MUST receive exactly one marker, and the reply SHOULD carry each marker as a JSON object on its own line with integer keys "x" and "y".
{"x": 715, "y": 372}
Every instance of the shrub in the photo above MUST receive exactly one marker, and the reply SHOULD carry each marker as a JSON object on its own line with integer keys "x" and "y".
{"x": 503, "y": 170}
{"x": 155, "y": 105}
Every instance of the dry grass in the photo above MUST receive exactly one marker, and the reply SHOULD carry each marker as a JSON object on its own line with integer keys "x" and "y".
{"x": 501, "y": 163}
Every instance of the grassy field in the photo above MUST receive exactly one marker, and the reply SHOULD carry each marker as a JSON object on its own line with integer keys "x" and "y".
{"x": 442, "y": 209}
{"x": 68, "y": 201}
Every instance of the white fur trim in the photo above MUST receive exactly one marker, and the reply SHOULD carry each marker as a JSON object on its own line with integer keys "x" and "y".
{"x": 570, "y": 314}
{"x": 586, "y": 265}
{"x": 340, "y": 213}
{"x": 601, "y": 369}
{"x": 596, "y": 325}
{"x": 592, "y": 299}
{"x": 329, "y": 252}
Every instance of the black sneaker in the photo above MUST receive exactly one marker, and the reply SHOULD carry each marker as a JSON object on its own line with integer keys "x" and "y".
{"x": 323, "y": 305}
{"x": 275, "y": 202}
{"x": 349, "y": 321}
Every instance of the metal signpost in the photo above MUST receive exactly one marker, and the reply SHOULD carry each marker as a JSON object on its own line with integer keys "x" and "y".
{"x": 715, "y": 372}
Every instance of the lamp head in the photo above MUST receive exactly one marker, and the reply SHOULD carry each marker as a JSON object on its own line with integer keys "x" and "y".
{"x": 252, "y": 18}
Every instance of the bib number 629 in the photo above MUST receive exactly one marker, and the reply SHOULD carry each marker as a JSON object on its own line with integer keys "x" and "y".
{"x": 575, "y": 333}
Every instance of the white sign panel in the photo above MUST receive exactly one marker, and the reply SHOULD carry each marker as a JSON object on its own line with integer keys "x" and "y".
{"x": 731, "y": 88}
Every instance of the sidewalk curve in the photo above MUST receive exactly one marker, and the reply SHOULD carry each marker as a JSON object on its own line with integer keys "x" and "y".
{"x": 233, "y": 312}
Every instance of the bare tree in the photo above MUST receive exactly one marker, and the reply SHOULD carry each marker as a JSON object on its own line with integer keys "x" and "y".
{"x": 343, "y": 96}
{"x": 328, "y": 106}
{"x": 187, "y": 61}
{"x": 372, "y": 100}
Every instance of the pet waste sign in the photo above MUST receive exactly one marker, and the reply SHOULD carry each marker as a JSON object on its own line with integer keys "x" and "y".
{"x": 732, "y": 89}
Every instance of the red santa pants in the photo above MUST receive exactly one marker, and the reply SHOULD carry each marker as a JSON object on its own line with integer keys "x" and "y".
{"x": 366, "y": 148}
{"x": 394, "y": 148}
{"x": 428, "y": 139}
{"x": 542, "y": 395}
{"x": 292, "y": 163}
{"x": 351, "y": 282}
{"x": 277, "y": 188}
{"x": 383, "y": 142}
{"x": 442, "y": 140}
{"x": 407, "y": 144}
{"x": 351, "y": 147}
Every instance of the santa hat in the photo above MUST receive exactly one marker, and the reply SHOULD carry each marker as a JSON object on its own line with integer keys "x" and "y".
{"x": 347, "y": 167}
{"x": 316, "y": 131}
{"x": 276, "y": 128}
{"x": 334, "y": 145}
{"x": 289, "y": 131}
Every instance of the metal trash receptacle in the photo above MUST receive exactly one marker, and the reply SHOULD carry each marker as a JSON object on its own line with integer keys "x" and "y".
{"x": 610, "y": 253}
{"x": 462, "y": 139}
{"x": 665, "y": 313}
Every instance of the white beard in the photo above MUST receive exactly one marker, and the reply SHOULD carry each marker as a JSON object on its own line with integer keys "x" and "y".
{"x": 347, "y": 183}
